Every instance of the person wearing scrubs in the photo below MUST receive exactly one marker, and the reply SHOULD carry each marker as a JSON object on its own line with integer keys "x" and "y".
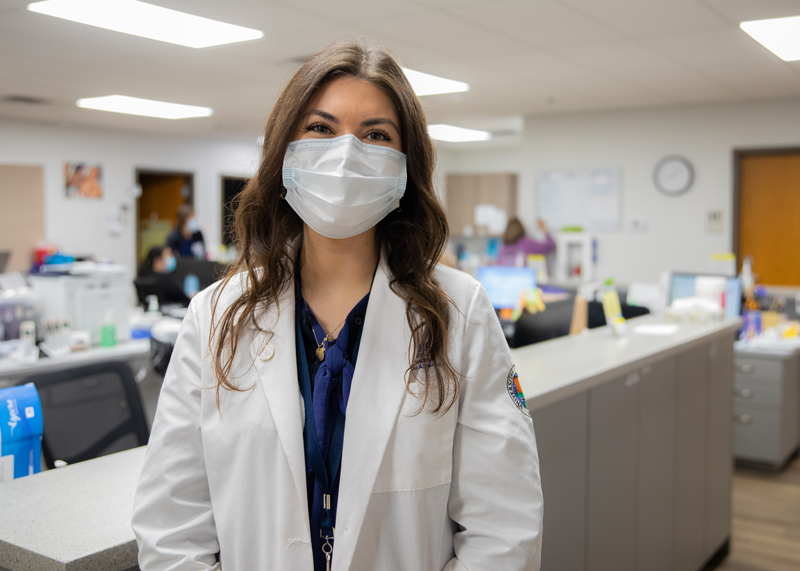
{"x": 158, "y": 266}
{"x": 341, "y": 400}
{"x": 187, "y": 240}
{"x": 517, "y": 245}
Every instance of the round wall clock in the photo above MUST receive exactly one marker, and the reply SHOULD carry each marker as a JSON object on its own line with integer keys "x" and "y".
{"x": 673, "y": 175}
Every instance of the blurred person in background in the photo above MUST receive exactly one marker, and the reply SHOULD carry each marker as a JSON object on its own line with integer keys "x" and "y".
{"x": 516, "y": 243}
{"x": 186, "y": 241}
{"x": 158, "y": 265}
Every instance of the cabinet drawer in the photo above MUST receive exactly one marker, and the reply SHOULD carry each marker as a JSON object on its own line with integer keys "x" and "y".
{"x": 757, "y": 368}
{"x": 752, "y": 392}
{"x": 757, "y": 434}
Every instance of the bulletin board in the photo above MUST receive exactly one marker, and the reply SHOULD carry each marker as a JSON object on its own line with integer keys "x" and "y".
{"x": 590, "y": 198}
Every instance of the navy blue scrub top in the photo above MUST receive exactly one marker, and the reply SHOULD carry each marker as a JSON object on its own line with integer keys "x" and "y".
{"x": 350, "y": 334}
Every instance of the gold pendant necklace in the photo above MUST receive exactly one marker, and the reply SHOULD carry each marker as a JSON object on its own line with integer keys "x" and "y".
{"x": 320, "y": 351}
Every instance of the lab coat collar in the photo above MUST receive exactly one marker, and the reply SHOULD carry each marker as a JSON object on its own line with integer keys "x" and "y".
{"x": 376, "y": 397}
{"x": 275, "y": 363}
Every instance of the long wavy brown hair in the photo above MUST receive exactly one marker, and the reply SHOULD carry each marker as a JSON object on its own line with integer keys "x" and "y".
{"x": 412, "y": 238}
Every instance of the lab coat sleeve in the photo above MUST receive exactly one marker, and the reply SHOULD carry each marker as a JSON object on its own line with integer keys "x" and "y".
{"x": 172, "y": 516}
{"x": 496, "y": 494}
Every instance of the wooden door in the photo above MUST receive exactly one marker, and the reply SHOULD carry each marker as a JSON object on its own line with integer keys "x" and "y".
{"x": 158, "y": 204}
{"x": 466, "y": 191}
{"x": 769, "y": 215}
{"x": 21, "y": 214}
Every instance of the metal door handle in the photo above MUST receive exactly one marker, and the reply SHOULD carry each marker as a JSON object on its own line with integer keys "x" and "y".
{"x": 744, "y": 419}
{"x": 745, "y": 393}
{"x": 746, "y": 368}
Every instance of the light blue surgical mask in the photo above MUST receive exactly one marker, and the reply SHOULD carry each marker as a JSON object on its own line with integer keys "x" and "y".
{"x": 342, "y": 187}
{"x": 171, "y": 263}
{"x": 193, "y": 225}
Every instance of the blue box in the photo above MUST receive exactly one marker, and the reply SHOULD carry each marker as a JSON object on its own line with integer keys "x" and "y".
{"x": 20, "y": 432}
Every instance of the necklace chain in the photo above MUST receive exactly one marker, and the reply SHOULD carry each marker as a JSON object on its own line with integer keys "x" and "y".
{"x": 328, "y": 336}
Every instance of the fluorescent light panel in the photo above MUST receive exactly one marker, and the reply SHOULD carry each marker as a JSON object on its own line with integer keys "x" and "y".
{"x": 147, "y": 21}
{"x": 781, "y": 36}
{"x": 145, "y": 107}
{"x": 427, "y": 84}
{"x": 453, "y": 134}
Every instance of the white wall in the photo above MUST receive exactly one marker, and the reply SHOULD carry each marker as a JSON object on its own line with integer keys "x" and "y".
{"x": 635, "y": 141}
{"x": 79, "y": 225}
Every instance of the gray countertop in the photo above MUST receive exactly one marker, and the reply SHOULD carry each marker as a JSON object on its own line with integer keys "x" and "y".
{"x": 76, "y": 517}
{"x": 557, "y": 369}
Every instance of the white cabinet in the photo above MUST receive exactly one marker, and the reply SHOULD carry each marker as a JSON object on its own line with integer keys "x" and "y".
{"x": 561, "y": 431}
{"x": 655, "y": 486}
{"x": 767, "y": 406}
{"x": 611, "y": 520}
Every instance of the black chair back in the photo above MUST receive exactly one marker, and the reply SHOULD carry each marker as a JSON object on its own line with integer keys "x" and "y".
{"x": 597, "y": 317}
{"x": 90, "y": 411}
{"x": 553, "y": 322}
{"x": 149, "y": 286}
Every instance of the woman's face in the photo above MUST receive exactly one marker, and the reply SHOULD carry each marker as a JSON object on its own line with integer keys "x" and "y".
{"x": 348, "y": 106}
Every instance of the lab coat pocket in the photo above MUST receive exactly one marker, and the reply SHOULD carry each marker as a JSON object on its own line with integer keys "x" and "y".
{"x": 419, "y": 454}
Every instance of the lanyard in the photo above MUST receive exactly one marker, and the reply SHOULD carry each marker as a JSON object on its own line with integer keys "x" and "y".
{"x": 325, "y": 476}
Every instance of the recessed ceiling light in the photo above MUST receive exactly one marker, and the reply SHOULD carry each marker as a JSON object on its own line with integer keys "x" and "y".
{"x": 427, "y": 84}
{"x": 146, "y": 107}
{"x": 147, "y": 21}
{"x": 781, "y": 36}
{"x": 453, "y": 134}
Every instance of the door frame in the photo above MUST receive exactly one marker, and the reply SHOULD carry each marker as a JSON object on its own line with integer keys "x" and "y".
{"x": 188, "y": 177}
{"x": 738, "y": 156}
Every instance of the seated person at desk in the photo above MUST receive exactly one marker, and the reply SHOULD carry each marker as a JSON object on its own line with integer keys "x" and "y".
{"x": 186, "y": 241}
{"x": 159, "y": 264}
{"x": 516, "y": 243}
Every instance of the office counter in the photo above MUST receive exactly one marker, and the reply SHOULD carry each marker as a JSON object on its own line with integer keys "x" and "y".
{"x": 77, "y": 517}
{"x": 635, "y": 447}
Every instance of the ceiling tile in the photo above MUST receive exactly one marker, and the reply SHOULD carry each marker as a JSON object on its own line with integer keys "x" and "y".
{"x": 736, "y": 11}
{"x": 646, "y": 18}
{"x": 540, "y": 23}
{"x": 710, "y": 49}
{"x": 759, "y": 82}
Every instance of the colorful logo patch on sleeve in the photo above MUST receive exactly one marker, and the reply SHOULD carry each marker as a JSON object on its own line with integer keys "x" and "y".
{"x": 515, "y": 391}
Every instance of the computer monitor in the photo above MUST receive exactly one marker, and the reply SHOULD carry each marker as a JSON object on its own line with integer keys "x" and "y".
{"x": 505, "y": 283}
{"x": 682, "y": 285}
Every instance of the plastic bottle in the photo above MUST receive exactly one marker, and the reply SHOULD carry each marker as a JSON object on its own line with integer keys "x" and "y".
{"x": 108, "y": 333}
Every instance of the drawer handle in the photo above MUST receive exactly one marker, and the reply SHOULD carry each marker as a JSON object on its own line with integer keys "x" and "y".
{"x": 746, "y": 368}
{"x": 745, "y": 393}
{"x": 743, "y": 419}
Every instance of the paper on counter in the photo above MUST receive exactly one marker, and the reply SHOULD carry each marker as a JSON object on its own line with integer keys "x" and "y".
{"x": 663, "y": 329}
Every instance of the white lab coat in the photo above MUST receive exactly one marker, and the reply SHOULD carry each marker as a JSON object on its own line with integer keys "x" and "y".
{"x": 417, "y": 492}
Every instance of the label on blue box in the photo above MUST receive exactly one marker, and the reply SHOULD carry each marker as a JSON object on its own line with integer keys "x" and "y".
{"x": 20, "y": 432}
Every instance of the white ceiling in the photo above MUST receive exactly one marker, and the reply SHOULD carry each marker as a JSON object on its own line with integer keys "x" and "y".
{"x": 520, "y": 57}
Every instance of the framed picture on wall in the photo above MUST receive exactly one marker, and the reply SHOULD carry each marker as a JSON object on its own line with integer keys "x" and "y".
{"x": 83, "y": 180}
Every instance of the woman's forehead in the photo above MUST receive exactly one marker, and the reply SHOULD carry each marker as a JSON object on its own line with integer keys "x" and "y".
{"x": 348, "y": 97}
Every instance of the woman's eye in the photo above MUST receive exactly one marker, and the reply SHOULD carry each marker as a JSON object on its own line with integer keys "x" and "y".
{"x": 378, "y": 136}
{"x": 320, "y": 128}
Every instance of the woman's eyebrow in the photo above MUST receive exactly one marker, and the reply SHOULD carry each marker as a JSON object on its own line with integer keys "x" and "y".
{"x": 379, "y": 121}
{"x": 324, "y": 115}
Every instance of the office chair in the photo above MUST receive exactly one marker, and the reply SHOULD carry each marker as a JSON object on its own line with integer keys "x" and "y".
{"x": 597, "y": 317}
{"x": 553, "y": 322}
{"x": 149, "y": 286}
{"x": 90, "y": 411}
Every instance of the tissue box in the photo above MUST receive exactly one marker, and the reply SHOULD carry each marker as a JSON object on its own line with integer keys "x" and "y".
{"x": 20, "y": 432}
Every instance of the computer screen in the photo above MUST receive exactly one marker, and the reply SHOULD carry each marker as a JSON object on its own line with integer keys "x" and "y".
{"x": 682, "y": 285}
{"x": 505, "y": 283}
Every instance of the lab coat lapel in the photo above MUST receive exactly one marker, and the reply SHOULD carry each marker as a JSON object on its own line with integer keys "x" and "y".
{"x": 278, "y": 378}
{"x": 376, "y": 398}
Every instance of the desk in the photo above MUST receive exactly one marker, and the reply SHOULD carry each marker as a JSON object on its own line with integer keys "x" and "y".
{"x": 134, "y": 352}
{"x": 635, "y": 447}
{"x": 77, "y": 517}
{"x": 767, "y": 401}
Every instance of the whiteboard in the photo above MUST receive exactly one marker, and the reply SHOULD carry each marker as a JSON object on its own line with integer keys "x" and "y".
{"x": 581, "y": 197}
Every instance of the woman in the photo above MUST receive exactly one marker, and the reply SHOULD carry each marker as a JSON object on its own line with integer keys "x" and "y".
{"x": 517, "y": 246}
{"x": 158, "y": 266}
{"x": 338, "y": 378}
{"x": 187, "y": 238}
